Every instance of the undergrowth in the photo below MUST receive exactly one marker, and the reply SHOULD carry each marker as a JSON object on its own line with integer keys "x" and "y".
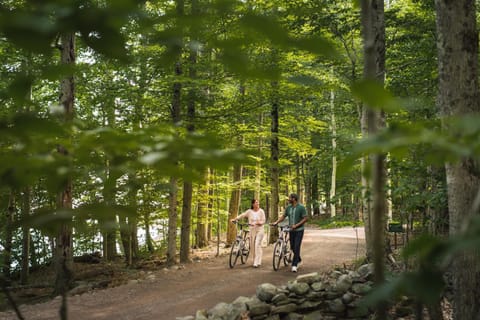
{"x": 336, "y": 222}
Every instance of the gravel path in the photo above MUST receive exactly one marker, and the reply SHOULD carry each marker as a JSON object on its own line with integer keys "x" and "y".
{"x": 176, "y": 292}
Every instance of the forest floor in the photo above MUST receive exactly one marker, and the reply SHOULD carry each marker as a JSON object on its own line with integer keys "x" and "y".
{"x": 153, "y": 291}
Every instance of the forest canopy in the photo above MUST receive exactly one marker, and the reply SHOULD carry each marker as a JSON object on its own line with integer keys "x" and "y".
{"x": 133, "y": 127}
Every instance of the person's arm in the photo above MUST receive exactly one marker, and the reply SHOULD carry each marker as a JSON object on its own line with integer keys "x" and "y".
{"x": 300, "y": 223}
{"x": 240, "y": 216}
{"x": 280, "y": 219}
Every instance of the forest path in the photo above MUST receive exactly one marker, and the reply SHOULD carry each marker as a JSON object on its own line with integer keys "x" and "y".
{"x": 169, "y": 293}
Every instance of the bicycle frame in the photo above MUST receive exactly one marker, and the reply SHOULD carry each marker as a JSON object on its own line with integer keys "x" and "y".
{"x": 281, "y": 249}
{"x": 241, "y": 245}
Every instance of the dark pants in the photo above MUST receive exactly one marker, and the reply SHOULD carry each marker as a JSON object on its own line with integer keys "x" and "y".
{"x": 295, "y": 243}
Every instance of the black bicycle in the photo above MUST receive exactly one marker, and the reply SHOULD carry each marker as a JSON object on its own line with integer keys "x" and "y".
{"x": 281, "y": 248}
{"x": 241, "y": 246}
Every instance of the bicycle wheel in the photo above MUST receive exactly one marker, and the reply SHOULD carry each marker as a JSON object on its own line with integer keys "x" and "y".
{"x": 288, "y": 254}
{"x": 277, "y": 255}
{"x": 245, "y": 250}
{"x": 234, "y": 253}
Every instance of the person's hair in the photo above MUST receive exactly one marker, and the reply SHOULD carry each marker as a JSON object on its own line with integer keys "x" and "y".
{"x": 294, "y": 196}
{"x": 253, "y": 201}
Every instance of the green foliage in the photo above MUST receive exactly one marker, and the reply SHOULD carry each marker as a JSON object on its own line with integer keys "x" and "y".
{"x": 338, "y": 221}
{"x": 35, "y": 25}
{"x": 433, "y": 256}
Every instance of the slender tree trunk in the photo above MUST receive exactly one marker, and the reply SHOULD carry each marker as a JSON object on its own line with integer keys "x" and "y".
{"x": 7, "y": 252}
{"x": 110, "y": 221}
{"x": 64, "y": 249}
{"x": 374, "y": 66}
{"x": 126, "y": 223}
{"x": 202, "y": 212}
{"x": 235, "y": 196}
{"x": 187, "y": 185}
{"x": 26, "y": 238}
{"x": 333, "y": 125}
{"x": 366, "y": 202}
{"x": 109, "y": 192}
{"x": 234, "y": 203}
{"x": 315, "y": 193}
{"x": 125, "y": 238}
{"x": 148, "y": 235}
{"x": 173, "y": 192}
{"x": 274, "y": 157}
{"x": 211, "y": 206}
{"x": 457, "y": 45}
{"x": 258, "y": 166}
{"x": 298, "y": 180}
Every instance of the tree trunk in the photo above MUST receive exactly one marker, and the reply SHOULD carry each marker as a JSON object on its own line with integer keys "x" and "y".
{"x": 211, "y": 206}
{"x": 234, "y": 204}
{"x": 457, "y": 45}
{"x": 374, "y": 70}
{"x": 202, "y": 212}
{"x": 190, "y": 121}
{"x": 333, "y": 184}
{"x": 110, "y": 221}
{"x": 64, "y": 250}
{"x": 126, "y": 223}
{"x": 274, "y": 157}
{"x": 258, "y": 166}
{"x": 109, "y": 191}
{"x": 26, "y": 238}
{"x": 148, "y": 236}
{"x": 7, "y": 252}
{"x": 173, "y": 192}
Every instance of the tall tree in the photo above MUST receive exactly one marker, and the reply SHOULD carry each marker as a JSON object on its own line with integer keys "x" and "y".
{"x": 176, "y": 117}
{"x": 202, "y": 210}
{"x": 333, "y": 126}
{"x": 234, "y": 203}
{"x": 274, "y": 158}
{"x": 373, "y": 21}
{"x": 64, "y": 243}
{"x": 457, "y": 45}
{"x": 190, "y": 120}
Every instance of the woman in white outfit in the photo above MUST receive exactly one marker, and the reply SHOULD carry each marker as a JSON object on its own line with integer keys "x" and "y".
{"x": 256, "y": 220}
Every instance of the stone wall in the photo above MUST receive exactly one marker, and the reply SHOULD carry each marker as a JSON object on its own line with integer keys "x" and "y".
{"x": 309, "y": 297}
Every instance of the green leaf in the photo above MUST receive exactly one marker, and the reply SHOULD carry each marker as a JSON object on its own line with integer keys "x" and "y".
{"x": 375, "y": 96}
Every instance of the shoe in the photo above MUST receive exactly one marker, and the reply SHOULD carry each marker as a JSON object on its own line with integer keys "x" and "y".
{"x": 294, "y": 269}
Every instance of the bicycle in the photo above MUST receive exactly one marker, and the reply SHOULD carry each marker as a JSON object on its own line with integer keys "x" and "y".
{"x": 241, "y": 245}
{"x": 281, "y": 248}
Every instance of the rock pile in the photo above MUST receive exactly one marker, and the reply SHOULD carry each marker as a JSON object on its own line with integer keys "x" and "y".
{"x": 309, "y": 297}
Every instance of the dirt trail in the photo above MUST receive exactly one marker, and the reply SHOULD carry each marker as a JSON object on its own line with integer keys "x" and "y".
{"x": 169, "y": 293}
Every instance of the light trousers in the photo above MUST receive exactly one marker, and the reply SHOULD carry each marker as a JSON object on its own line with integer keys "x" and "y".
{"x": 256, "y": 237}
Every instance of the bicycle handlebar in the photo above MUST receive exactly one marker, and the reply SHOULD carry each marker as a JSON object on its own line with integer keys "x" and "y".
{"x": 282, "y": 228}
{"x": 240, "y": 224}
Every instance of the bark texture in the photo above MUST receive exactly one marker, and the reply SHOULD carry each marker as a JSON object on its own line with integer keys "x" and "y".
{"x": 374, "y": 69}
{"x": 457, "y": 45}
{"x": 64, "y": 250}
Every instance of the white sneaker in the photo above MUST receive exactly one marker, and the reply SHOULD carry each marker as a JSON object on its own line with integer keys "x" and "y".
{"x": 294, "y": 269}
